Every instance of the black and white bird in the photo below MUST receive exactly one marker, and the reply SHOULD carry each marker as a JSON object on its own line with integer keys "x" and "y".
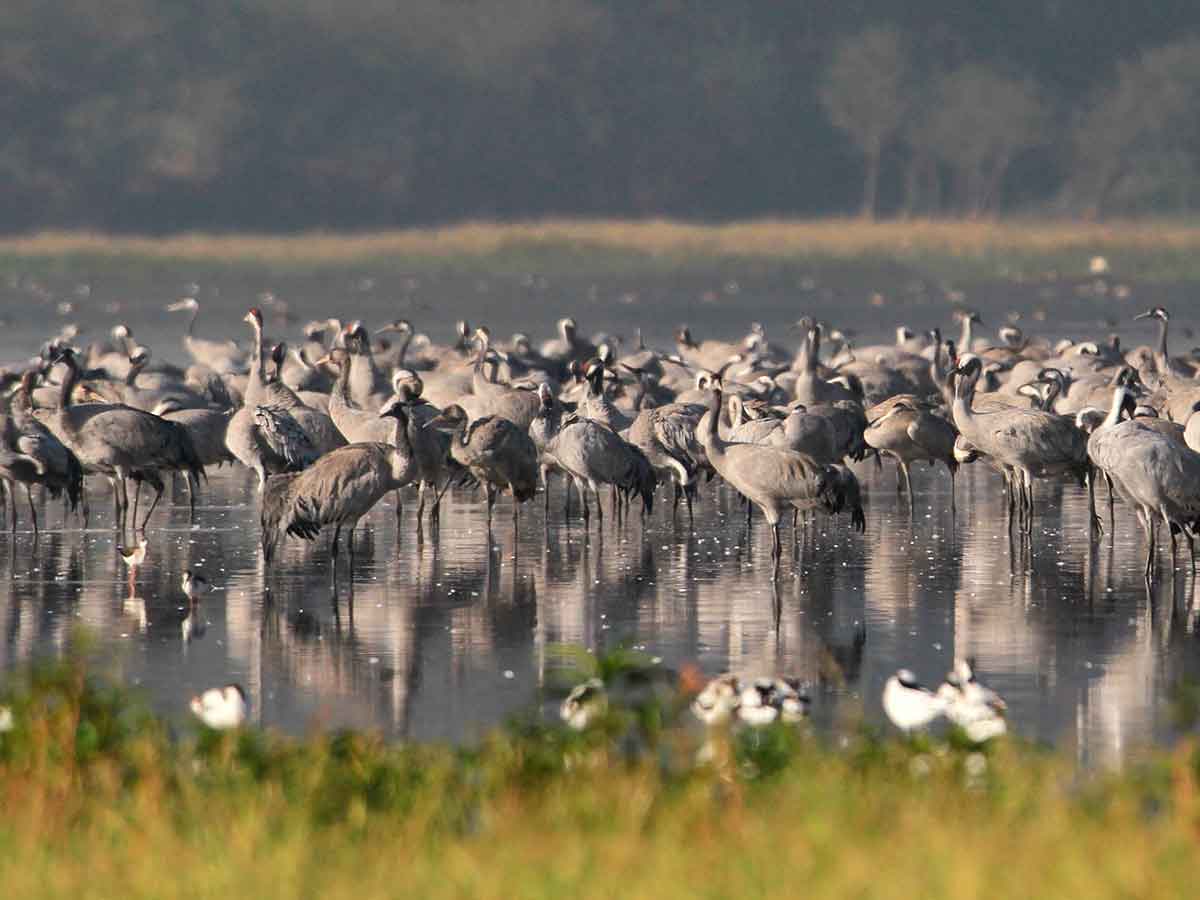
{"x": 772, "y": 699}
{"x": 195, "y": 585}
{"x": 136, "y": 555}
{"x": 717, "y": 703}
{"x": 975, "y": 708}
{"x": 221, "y": 708}
{"x": 909, "y": 705}
{"x": 586, "y": 702}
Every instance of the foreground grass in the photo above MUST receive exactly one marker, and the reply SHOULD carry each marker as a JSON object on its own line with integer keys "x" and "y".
{"x": 1164, "y": 250}
{"x": 100, "y": 801}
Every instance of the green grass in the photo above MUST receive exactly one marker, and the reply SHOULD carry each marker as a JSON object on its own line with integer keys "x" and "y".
{"x": 1160, "y": 250}
{"x": 100, "y": 800}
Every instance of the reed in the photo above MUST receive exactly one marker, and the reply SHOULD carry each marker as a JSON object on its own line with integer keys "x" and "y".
{"x": 1153, "y": 249}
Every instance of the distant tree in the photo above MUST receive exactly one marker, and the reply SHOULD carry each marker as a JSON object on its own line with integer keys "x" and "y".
{"x": 977, "y": 121}
{"x": 865, "y": 93}
{"x": 1137, "y": 144}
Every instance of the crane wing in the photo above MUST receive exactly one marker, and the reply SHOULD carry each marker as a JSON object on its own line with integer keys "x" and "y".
{"x": 284, "y": 436}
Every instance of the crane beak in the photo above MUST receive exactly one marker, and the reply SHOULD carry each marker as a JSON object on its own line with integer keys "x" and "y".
{"x": 1146, "y": 315}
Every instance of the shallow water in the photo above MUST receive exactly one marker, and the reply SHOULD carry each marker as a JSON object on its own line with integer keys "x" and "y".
{"x": 441, "y": 638}
{"x": 444, "y": 638}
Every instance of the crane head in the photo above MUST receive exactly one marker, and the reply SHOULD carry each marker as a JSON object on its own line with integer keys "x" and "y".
{"x": 188, "y": 303}
{"x": 1155, "y": 312}
{"x": 400, "y": 326}
{"x": 254, "y": 317}
{"x": 395, "y": 408}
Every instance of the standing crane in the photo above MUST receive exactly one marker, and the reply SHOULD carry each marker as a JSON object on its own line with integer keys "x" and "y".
{"x": 338, "y": 489}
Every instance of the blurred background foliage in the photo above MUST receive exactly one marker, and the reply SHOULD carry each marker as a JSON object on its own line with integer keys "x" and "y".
{"x": 278, "y": 115}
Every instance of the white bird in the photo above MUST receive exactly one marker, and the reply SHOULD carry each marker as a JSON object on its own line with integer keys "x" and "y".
{"x": 772, "y": 699}
{"x": 136, "y": 555}
{"x": 908, "y": 704}
{"x": 973, "y": 707}
{"x": 195, "y": 585}
{"x": 221, "y": 708}
{"x": 718, "y": 701}
{"x": 586, "y": 702}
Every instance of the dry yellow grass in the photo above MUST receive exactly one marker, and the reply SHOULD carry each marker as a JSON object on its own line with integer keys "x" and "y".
{"x": 768, "y": 238}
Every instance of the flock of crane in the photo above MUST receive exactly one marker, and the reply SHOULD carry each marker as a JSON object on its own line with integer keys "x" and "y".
{"x": 333, "y": 424}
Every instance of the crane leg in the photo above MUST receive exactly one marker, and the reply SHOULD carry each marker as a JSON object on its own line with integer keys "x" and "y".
{"x": 333, "y": 555}
{"x": 12, "y": 505}
{"x": 687, "y": 495}
{"x": 546, "y": 492}
{"x": 137, "y": 496}
{"x": 749, "y": 511}
{"x": 1111, "y": 502}
{"x": 776, "y": 546}
{"x": 420, "y": 502}
{"x": 1171, "y": 535}
{"x": 908, "y": 488}
{"x": 491, "y": 502}
{"x": 32, "y": 510}
{"x": 953, "y": 492}
{"x": 567, "y": 498}
{"x": 599, "y": 505}
{"x": 587, "y": 513}
{"x": 675, "y": 501}
{"x": 1148, "y": 525}
{"x": 1096, "y": 527}
{"x": 158, "y": 492}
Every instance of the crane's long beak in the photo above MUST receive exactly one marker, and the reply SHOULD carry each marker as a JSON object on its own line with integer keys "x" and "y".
{"x": 1146, "y": 315}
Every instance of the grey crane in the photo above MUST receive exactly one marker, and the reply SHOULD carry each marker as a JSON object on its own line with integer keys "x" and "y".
{"x": 244, "y": 437}
{"x": 910, "y": 434}
{"x": 771, "y": 478}
{"x": 207, "y": 428}
{"x": 57, "y": 468}
{"x": 369, "y": 387}
{"x": 1156, "y": 474}
{"x": 518, "y": 405}
{"x": 568, "y": 346}
{"x": 497, "y": 452}
{"x": 338, "y": 489}
{"x": 666, "y": 436}
{"x": 224, "y": 357}
{"x": 1162, "y": 359}
{"x": 436, "y": 469}
{"x": 810, "y": 387}
{"x": 1024, "y": 443}
{"x": 591, "y": 454}
{"x": 121, "y": 442}
{"x": 595, "y": 405}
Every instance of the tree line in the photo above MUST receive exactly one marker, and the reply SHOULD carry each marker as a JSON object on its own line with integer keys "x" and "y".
{"x": 135, "y": 115}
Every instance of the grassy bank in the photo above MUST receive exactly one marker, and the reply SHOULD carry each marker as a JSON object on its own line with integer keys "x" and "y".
{"x": 101, "y": 801}
{"x": 1166, "y": 250}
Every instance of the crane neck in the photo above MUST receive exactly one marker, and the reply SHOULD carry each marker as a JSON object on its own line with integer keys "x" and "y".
{"x": 1162, "y": 346}
{"x": 1053, "y": 389}
{"x": 258, "y": 366}
{"x": 964, "y": 395}
{"x": 1114, "y": 411}
{"x": 192, "y": 315}
{"x": 713, "y": 443}
{"x": 68, "y": 383}
{"x": 964, "y": 337}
